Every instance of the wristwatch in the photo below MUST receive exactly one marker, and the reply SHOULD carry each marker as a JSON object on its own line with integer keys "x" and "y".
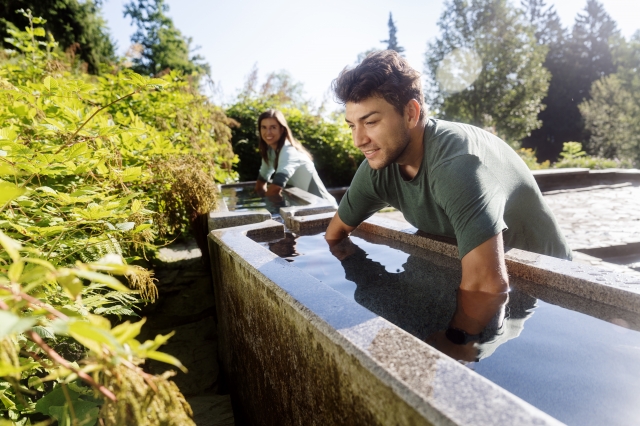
{"x": 460, "y": 337}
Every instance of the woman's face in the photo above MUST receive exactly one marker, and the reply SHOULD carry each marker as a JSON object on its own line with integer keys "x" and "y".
{"x": 271, "y": 132}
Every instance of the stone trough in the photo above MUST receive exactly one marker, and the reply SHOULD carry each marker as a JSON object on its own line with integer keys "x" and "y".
{"x": 298, "y": 352}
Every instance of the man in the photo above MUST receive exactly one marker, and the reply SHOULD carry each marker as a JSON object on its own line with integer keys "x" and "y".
{"x": 448, "y": 179}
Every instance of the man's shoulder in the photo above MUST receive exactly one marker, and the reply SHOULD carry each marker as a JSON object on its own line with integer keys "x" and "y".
{"x": 447, "y": 140}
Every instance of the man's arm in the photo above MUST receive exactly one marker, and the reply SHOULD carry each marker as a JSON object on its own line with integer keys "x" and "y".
{"x": 337, "y": 231}
{"x": 484, "y": 269}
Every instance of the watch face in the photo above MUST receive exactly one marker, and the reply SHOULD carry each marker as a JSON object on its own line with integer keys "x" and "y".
{"x": 456, "y": 336}
{"x": 460, "y": 337}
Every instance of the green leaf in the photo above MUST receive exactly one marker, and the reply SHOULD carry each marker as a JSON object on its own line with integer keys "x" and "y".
{"x": 125, "y": 226}
{"x": 15, "y": 271}
{"x": 107, "y": 280}
{"x": 39, "y": 32}
{"x": 71, "y": 284}
{"x": 8, "y": 192}
{"x": 10, "y": 323}
{"x": 166, "y": 358}
{"x": 76, "y": 150}
{"x": 8, "y": 134}
{"x": 11, "y": 246}
{"x": 91, "y": 336}
{"x": 126, "y": 331}
{"x": 7, "y": 169}
{"x": 131, "y": 173}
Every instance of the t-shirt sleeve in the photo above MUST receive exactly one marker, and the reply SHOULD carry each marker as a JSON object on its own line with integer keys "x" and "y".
{"x": 360, "y": 201}
{"x": 288, "y": 163}
{"x": 265, "y": 171}
{"x": 472, "y": 198}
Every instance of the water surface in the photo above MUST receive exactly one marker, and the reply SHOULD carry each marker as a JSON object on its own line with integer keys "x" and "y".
{"x": 580, "y": 369}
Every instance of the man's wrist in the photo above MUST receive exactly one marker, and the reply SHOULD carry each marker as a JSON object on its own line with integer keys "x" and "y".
{"x": 458, "y": 336}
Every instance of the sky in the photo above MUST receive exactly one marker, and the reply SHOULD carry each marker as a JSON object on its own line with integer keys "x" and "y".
{"x": 314, "y": 40}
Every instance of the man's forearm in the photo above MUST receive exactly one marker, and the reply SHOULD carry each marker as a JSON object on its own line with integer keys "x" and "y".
{"x": 337, "y": 230}
{"x": 484, "y": 269}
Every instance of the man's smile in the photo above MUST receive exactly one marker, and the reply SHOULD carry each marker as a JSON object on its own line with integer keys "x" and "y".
{"x": 370, "y": 152}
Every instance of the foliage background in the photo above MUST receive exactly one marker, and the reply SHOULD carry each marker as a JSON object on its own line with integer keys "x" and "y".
{"x": 94, "y": 173}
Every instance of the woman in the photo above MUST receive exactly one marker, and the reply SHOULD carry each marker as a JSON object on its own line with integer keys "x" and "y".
{"x": 286, "y": 159}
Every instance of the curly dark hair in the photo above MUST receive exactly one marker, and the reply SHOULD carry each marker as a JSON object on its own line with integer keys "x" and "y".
{"x": 385, "y": 74}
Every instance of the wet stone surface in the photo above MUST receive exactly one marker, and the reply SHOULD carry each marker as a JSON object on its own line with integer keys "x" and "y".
{"x": 186, "y": 305}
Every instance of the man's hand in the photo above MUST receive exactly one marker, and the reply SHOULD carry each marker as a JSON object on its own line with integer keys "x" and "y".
{"x": 342, "y": 249}
{"x": 483, "y": 268}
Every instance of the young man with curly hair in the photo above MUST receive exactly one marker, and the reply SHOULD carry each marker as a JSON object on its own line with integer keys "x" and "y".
{"x": 448, "y": 179}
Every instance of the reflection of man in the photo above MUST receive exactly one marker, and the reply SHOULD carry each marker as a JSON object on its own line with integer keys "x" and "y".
{"x": 447, "y": 179}
{"x": 466, "y": 325}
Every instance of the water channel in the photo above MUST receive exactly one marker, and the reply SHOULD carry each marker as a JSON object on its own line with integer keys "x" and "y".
{"x": 580, "y": 369}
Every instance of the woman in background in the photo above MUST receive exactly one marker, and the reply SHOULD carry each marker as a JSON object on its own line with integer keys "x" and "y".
{"x": 284, "y": 160}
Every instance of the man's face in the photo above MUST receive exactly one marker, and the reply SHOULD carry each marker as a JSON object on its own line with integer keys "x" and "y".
{"x": 378, "y": 130}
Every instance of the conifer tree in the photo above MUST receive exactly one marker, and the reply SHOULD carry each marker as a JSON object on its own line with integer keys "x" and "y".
{"x": 392, "y": 42}
{"x": 162, "y": 45}
{"x": 575, "y": 62}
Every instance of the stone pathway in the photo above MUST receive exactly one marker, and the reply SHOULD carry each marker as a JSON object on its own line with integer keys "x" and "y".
{"x": 591, "y": 218}
{"x": 598, "y": 216}
{"x": 186, "y": 306}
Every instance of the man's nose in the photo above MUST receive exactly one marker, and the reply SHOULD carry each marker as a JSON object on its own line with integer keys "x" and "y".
{"x": 360, "y": 137}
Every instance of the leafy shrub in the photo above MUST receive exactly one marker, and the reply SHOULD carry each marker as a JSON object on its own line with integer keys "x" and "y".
{"x": 528, "y": 155}
{"x": 329, "y": 141}
{"x": 573, "y": 156}
{"x": 89, "y": 168}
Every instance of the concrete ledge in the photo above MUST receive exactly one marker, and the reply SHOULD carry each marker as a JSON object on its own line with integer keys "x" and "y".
{"x": 226, "y": 219}
{"x": 621, "y": 290}
{"x": 301, "y": 353}
{"x": 553, "y": 179}
{"x": 309, "y": 205}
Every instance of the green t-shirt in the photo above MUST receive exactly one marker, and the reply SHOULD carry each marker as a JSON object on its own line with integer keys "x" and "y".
{"x": 471, "y": 186}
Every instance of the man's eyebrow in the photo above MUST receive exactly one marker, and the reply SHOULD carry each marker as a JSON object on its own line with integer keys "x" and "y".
{"x": 364, "y": 117}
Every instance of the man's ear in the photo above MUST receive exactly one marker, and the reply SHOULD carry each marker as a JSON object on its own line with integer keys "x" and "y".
{"x": 412, "y": 113}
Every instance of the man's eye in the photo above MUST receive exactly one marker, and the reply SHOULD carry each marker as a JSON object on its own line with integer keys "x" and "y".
{"x": 368, "y": 123}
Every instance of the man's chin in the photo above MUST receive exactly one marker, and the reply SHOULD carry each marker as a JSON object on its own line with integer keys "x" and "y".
{"x": 377, "y": 165}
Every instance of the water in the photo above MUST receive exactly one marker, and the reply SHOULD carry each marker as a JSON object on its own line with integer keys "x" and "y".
{"x": 245, "y": 198}
{"x": 578, "y": 368}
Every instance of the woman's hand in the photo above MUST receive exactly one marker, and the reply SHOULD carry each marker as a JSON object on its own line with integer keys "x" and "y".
{"x": 274, "y": 191}
{"x": 261, "y": 187}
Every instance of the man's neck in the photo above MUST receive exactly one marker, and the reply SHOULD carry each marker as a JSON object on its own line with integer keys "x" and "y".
{"x": 411, "y": 158}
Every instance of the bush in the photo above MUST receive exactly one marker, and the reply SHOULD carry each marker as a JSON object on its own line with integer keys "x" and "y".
{"x": 573, "y": 156}
{"x": 528, "y": 155}
{"x": 92, "y": 170}
{"x": 329, "y": 141}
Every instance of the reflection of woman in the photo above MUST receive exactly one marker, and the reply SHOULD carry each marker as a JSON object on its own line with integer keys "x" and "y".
{"x": 286, "y": 159}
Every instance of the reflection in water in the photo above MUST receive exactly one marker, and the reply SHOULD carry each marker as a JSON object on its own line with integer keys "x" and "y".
{"x": 424, "y": 300}
{"x": 243, "y": 199}
{"x": 577, "y": 368}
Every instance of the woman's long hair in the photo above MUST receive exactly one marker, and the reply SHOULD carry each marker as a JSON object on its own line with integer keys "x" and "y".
{"x": 286, "y": 135}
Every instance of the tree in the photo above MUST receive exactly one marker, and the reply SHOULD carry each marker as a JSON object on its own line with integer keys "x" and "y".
{"x": 546, "y": 22}
{"x": 392, "y": 41}
{"x": 575, "y": 63}
{"x": 612, "y": 115}
{"x": 162, "y": 45}
{"x": 488, "y": 46}
{"x": 77, "y": 26}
